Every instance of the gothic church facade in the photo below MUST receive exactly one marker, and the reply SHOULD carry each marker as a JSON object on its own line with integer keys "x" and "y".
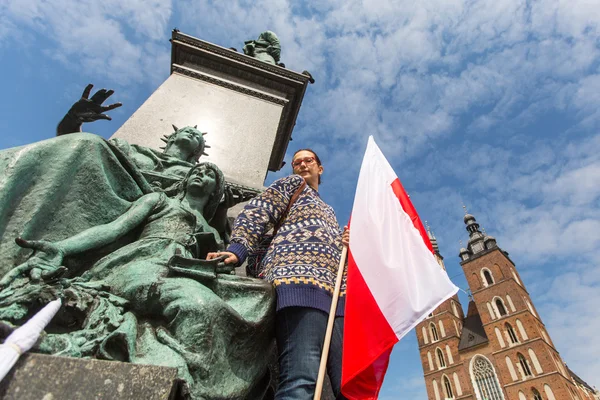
{"x": 499, "y": 350}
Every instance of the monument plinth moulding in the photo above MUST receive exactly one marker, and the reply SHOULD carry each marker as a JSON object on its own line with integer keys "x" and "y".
{"x": 247, "y": 106}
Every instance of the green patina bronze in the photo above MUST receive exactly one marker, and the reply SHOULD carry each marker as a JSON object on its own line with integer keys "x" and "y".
{"x": 125, "y": 255}
{"x": 266, "y": 48}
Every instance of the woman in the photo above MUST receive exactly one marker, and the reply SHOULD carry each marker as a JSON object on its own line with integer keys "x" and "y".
{"x": 301, "y": 262}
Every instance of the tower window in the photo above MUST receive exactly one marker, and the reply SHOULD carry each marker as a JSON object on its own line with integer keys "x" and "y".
{"x": 511, "y": 333}
{"x": 448, "y": 388}
{"x": 455, "y": 310}
{"x": 501, "y": 308}
{"x": 440, "y": 356}
{"x": 434, "y": 334}
{"x": 524, "y": 365}
{"x": 536, "y": 394}
{"x": 487, "y": 275}
{"x": 486, "y": 381}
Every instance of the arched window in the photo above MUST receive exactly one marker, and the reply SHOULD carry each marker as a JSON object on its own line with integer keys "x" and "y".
{"x": 434, "y": 334}
{"x": 449, "y": 352}
{"x": 510, "y": 303}
{"x": 455, "y": 310}
{"x": 515, "y": 276}
{"x": 486, "y": 381}
{"x": 491, "y": 310}
{"x": 530, "y": 307}
{"x": 424, "y": 332}
{"x": 560, "y": 365}
{"x": 457, "y": 385}
{"x": 440, "y": 356}
{"x": 448, "y": 388}
{"x": 430, "y": 360}
{"x": 549, "y": 392}
{"x": 522, "y": 330}
{"x": 436, "y": 390}
{"x": 500, "y": 307}
{"x": 511, "y": 369}
{"x": 534, "y": 360}
{"x": 522, "y": 396}
{"x": 511, "y": 333}
{"x": 499, "y": 336}
{"x": 546, "y": 338}
{"x": 442, "y": 330}
{"x": 488, "y": 279}
{"x": 524, "y": 366}
{"x": 536, "y": 394}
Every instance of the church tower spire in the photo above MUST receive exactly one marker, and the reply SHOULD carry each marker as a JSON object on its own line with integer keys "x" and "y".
{"x": 478, "y": 240}
{"x": 434, "y": 244}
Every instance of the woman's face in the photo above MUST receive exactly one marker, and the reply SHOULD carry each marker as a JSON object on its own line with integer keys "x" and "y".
{"x": 189, "y": 139}
{"x": 305, "y": 164}
{"x": 202, "y": 181}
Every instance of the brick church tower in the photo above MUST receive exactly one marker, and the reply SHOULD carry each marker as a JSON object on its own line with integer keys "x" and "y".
{"x": 500, "y": 349}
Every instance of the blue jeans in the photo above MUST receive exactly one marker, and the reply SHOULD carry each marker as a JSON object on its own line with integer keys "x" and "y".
{"x": 300, "y": 333}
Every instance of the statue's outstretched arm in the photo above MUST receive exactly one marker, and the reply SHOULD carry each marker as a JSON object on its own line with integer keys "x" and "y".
{"x": 102, "y": 235}
{"x": 86, "y": 110}
{"x": 48, "y": 256}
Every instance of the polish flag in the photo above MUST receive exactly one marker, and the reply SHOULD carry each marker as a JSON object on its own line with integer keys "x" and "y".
{"x": 394, "y": 280}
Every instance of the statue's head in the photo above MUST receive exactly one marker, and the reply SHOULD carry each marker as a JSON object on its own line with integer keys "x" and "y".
{"x": 204, "y": 179}
{"x": 189, "y": 139}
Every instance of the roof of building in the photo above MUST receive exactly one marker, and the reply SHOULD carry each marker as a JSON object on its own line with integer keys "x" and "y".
{"x": 473, "y": 333}
{"x": 579, "y": 380}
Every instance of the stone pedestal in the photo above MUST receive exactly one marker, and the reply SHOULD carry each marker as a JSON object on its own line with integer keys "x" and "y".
{"x": 248, "y": 107}
{"x": 41, "y": 377}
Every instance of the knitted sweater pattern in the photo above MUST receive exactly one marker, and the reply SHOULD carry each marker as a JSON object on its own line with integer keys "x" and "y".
{"x": 303, "y": 257}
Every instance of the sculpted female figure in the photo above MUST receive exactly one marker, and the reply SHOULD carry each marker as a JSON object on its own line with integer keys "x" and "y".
{"x": 168, "y": 228}
{"x": 212, "y": 327}
{"x": 182, "y": 151}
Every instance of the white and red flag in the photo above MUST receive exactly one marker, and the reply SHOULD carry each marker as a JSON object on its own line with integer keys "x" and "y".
{"x": 394, "y": 280}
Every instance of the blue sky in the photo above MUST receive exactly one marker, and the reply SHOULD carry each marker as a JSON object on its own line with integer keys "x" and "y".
{"x": 494, "y": 104}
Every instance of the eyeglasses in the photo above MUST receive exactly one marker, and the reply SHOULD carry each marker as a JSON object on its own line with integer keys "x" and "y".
{"x": 306, "y": 160}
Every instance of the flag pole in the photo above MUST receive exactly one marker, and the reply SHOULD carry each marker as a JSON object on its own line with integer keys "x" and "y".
{"x": 334, "y": 301}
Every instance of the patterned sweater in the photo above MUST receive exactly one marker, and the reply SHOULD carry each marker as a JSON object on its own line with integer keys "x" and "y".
{"x": 303, "y": 258}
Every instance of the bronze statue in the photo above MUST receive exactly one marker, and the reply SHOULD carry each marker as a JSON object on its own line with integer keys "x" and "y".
{"x": 144, "y": 303}
{"x": 266, "y": 48}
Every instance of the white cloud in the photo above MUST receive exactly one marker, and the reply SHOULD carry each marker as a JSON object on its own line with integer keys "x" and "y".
{"x": 111, "y": 38}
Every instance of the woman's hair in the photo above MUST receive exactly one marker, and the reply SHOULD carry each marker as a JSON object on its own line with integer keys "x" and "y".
{"x": 179, "y": 189}
{"x": 317, "y": 159}
{"x": 193, "y": 158}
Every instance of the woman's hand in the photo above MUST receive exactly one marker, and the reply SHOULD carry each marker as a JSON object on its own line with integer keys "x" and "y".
{"x": 346, "y": 236}
{"x": 231, "y": 258}
{"x": 45, "y": 263}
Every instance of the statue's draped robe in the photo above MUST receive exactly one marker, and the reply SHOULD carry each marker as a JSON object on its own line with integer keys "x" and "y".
{"x": 59, "y": 187}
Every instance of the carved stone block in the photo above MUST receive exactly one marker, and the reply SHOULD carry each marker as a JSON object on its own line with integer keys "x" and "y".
{"x": 37, "y": 376}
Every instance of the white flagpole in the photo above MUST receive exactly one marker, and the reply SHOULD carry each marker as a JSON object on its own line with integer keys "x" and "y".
{"x": 23, "y": 338}
{"x": 334, "y": 301}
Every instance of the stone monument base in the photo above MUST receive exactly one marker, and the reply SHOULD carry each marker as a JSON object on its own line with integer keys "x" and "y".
{"x": 42, "y": 377}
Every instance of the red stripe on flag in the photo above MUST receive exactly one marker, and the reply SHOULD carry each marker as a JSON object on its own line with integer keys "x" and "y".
{"x": 410, "y": 210}
{"x": 366, "y": 327}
